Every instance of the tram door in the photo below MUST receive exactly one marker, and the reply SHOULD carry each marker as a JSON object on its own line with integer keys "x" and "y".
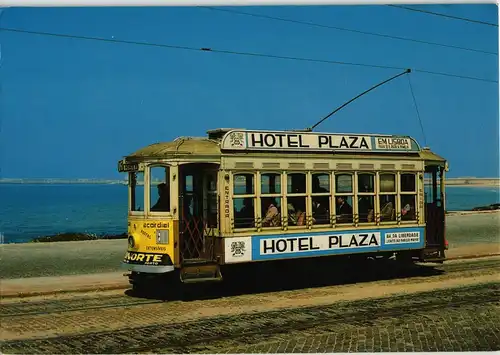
{"x": 434, "y": 207}
{"x": 198, "y": 215}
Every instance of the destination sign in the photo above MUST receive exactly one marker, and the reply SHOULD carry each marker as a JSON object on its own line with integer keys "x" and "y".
{"x": 264, "y": 140}
{"x": 125, "y": 167}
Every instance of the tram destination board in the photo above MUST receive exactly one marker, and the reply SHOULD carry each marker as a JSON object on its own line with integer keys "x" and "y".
{"x": 290, "y": 141}
{"x": 127, "y": 167}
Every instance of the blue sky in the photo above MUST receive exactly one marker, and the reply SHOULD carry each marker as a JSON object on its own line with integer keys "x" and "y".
{"x": 72, "y": 108}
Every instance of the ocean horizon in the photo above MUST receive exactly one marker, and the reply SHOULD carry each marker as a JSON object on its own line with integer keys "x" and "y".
{"x": 34, "y": 210}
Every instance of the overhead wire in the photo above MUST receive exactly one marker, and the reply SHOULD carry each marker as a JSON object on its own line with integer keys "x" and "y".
{"x": 445, "y": 15}
{"x": 418, "y": 113}
{"x": 313, "y": 24}
{"x": 239, "y": 53}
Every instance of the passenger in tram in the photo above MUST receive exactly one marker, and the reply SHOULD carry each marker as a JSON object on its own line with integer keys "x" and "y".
{"x": 296, "y": 216}
{"x": 272, "y": 217}
{"x": 387, "y": 211}
{"x": 365, "y": 206}
{"x": 408, "y": 210}
{"x": 344, "y": 210}
{"x": 163, "y": 203}
{"x": 321, "y": 210}
{"x": 244, "y": 218}
{"x": 316, "y": 186}
{"x": 320, "y": 204}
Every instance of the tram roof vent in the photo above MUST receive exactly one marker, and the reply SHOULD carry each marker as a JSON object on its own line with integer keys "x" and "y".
{"x": 218, "y": 133}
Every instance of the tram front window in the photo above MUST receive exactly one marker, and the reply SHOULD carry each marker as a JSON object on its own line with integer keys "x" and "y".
{"x": 136, "y": 186}
{"x": 160, "y": 189}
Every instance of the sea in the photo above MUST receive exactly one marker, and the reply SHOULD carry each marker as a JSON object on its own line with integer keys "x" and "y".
{"x": 28, "y": 211}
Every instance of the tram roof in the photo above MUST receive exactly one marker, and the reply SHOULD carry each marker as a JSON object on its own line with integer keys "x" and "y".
{"x": 228, "y": 140}
{"x": 179, "y": 146}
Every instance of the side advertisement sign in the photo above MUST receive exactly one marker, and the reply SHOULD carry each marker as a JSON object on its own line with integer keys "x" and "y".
{"x": 345, "y": 242}
{"x": 244, "y": 249}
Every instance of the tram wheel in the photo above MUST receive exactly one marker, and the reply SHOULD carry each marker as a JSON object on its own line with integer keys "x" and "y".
{"x": 404, "y": 259}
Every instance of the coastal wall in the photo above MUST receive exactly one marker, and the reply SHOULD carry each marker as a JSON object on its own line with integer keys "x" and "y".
{"x": 84, "y": 257}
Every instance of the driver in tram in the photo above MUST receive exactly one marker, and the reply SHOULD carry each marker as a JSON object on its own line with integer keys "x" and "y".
{"x": 163, "y": 203}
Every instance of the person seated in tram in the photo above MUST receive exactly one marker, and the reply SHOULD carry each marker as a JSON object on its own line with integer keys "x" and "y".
{"x": 316, "y": 186}
{"x": 244, "y": 218}
{"x": 321, "y": 210}
{"x": 387, "y": 211}
{"x": 365, "y": 207}
{"x": 272, "y": 217}
{"x": 344, "y": 210}
{"x": 408, "y": 210}
{"x": 296, "y": 216}
{"x": 163, "y": 203}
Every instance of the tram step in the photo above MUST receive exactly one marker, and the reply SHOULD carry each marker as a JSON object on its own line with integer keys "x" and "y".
{"x": 200, "y": 271}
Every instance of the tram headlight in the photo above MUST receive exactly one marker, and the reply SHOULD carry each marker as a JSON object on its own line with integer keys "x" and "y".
{"x": 131, "y": 242}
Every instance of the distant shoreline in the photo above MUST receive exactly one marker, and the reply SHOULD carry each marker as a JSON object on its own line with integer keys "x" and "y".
{"x": 458, "y": 182}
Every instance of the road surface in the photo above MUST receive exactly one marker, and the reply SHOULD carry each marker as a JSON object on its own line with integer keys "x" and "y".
{"x": 451, "y": 307}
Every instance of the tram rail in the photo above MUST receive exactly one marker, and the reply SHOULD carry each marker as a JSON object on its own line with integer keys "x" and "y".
{"x": 84, "y": 303}
{"x": 214, "y": 333}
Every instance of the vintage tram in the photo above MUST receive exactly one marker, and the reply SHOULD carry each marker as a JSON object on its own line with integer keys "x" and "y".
{"x": 249, "y": 196}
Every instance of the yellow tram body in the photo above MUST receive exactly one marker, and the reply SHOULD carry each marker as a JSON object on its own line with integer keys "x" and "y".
{"x": 242, "y": 196}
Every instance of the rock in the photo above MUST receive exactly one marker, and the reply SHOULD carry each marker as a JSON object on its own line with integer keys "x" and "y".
{"x": 70, "y": 237}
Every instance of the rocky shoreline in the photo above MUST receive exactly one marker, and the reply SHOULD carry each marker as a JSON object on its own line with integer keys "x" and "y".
{"x": 72, "y": 237}
{"x": 494, "y": 206}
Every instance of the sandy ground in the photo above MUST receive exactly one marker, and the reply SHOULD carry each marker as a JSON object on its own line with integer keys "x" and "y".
{"x": 104, "y": 256}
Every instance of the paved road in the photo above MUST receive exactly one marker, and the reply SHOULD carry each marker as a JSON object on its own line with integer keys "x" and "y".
{"x": 456, "y": 309}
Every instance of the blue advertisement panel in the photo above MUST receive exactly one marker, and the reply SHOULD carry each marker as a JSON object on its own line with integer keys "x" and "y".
{"x": 331, "y": 243}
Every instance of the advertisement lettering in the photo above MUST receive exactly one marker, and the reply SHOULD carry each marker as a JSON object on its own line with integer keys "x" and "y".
{"x": 143, "y": 258}
{"x": 271, "y": 246}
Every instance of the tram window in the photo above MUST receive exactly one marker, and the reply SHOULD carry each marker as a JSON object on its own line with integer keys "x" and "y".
{"x": 271, "y": 212}
{"x": 366, "y": 197}
{"x": 343, "y": 198}
{"x": 320, "y": 183}
{"x": 344, "y": 209}
{"x": 366, "y": 183}
{"x": 408, "y": 182}
{"x": 244, "y": 212}
{"x": 321, "y": 198}
{"x": 296, "y": 206}
{"x": 408, "y": 210}
{"x": 366, "y": 208}
{"x": 270, "y": 183}
{"x": 243, "y": 184}
{"x": 387, "y": 208}
{"x": 408, "y": 197}
{"x": 296, "y": 183}
{"x": 343, "y": 183}
{"x": 136, "y": 185}
{"x": 188, "y": 183}
{"x": 159, "y": 189}
{"x": 211, "y": 181}
{"x": 296, "y": 199}
{"x": 387, "y": 183}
